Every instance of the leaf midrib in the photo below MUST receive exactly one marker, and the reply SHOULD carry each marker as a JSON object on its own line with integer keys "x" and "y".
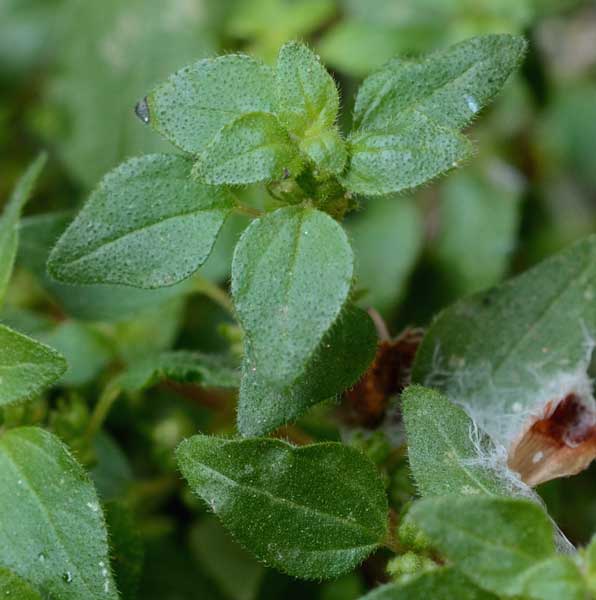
{"x": 286, "y": 502}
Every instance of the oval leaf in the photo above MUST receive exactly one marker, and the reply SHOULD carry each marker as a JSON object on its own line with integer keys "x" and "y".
{"x": 148, "y": 225}
{"x": 291, "y": 276}
{"x": 342, "y": 357}
{"x": 26, "y": 366}
{"x": 199, "y": 100}
{"x": 52, "y": 517}
{"x": 253, "y": 148}
{"x": 292, "y": 507}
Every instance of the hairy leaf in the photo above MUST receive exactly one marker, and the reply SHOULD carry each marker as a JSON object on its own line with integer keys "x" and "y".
{"x": 407, "y": 152}
{"x": 52, "y": 517}
{"x": 182, "y": 366}
{"x": 446, "y": 584}
{"x": 9, "y": 221}
{"x": 307, "y": 98}
{"x": 86, "y": 302}
{"x": 505, "y": 353}
{"x": 503, "y": 545}
{"x": 292, "y": 507}
{"x": 445, "y": 449}
{"x": 291, "y": 276}
{"x": 407, "y": 115}
{"x": 341, "y": 358}
{"x": 195, "y": 103}
{"x": 252, "y": 148}
{"x": 449, "y": 86}
{"x": 26, "y": 366}
{"x": 148, "y": 225}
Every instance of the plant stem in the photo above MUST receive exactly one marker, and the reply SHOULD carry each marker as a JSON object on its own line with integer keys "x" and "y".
{"x": 102, "y": 408}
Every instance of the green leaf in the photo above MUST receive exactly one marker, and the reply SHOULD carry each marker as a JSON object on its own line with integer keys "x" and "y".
{"x": 445, "y": 450}
{"x": 9, "y": 221}
{"x": 109, "y": 55}
{"x": 445, "y": 583}
{"x": 198, "y": 101}
{"x": 291, "y": 276}
{"x": 252, "y": 148}
{"x": 405, "y": 153}
{"x": 13, "y": 587}
{"x": 236, "y": 572}
{"x": 480, "y": 210}
{"x": 449, "y": 87}
{"x": 307, "y": 98}
{"x": 407, "y": 115}
{"x": 148, "y": 225}
{"x": 496, "y": 542}
{"x": 186, "y": 367}
{"x": 86, "y": 302}
{"x": 292, "y": 507}
{"x": 341, "y": 358}
{"x": 52, "y": 517}
{"x": 387, "y": 238}
{"x": 505, "y": 353}
{"x": 555, "y": 578}
{"x": 504, "y": 545}
{"x": 26, "y": 367}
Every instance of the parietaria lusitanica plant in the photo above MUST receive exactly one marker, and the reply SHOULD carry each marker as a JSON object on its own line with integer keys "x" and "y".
{"x": 494, "y": 399}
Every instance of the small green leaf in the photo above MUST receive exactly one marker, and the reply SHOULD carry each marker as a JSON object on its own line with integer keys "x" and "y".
{"x": 341, "y": 358}
{"x": 291, "y": 276}
{"x": 449, "y": 87}
{"x": 252, "y": 148}
{"x": 86, "y": 302}
{"x": 505, "y": 353}
{"x": 443, "y": 584}
{"x": 445, "y": 449}
{"x": 408, "y": 114}
{"x": 292, "y": 507}
{"x": 13, "y": 587}
{"x": 26, "y": 367}
{"x": 9, "y": 221}
{"x": 496, "y": 542}
{"x": 553, "y": 579}
{"x": 307, "y": 98}
{"x": 182, "y": 366}
{"x": 195, "y": 103}
{"x": 327, "y": 150}
{"x": 407, "y": 152}
{"x": 52, "y": 517}
{"x": 148, "y": 225}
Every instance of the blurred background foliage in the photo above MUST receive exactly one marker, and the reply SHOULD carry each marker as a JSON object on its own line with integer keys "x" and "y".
{"x": 71, "y": 72}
